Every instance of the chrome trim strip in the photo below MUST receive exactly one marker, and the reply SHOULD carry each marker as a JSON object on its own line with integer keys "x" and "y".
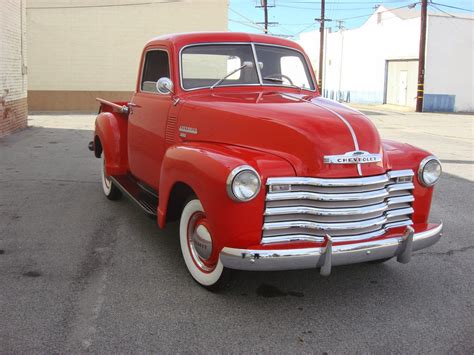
{"x": 292, "y": 238}
{"x": 306, "y": 258}
{"x": 399, "y": 212}
{"x": 349, "y": 182}
{"x": 314, "y": 238}
{"x": 378, "y": 221}
{"x": 350, "y": 238}
{"x": 355, "y": 196}
{"x": 400, "y": 187}
{"x": 400, "y": 173}
{"x": 349, "y": 211}
{"x": 400, "y": 199}
{"x": 404, "y": 223}
{"x": 364, "y": 181}
{"x": 255, "y": 58}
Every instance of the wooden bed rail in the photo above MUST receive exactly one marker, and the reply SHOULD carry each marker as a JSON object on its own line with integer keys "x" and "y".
{"x": 121, "y": 109}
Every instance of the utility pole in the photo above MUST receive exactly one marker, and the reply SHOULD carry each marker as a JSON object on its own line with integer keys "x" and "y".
{"x": 321, "y": 20}
{"x": 421, "y": 58}
{"x": 340, "y": 24}
{"x": 265, "y": 12}
{"x": 266, "y": 23}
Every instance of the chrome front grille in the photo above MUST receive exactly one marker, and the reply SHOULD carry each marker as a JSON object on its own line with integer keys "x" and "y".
{"x": 346, "y": 209}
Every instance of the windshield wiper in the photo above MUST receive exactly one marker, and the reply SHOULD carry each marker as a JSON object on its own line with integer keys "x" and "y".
{"x": 218, "y": 82}
{"x": 273, "y": 79}
{"x": 281, "y": 81}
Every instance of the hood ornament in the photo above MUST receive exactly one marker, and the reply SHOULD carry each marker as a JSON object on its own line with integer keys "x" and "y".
{"x": 355, "y": 157}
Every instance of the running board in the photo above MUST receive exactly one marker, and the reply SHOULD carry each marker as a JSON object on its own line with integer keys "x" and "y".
{"x": 147, "y": 200}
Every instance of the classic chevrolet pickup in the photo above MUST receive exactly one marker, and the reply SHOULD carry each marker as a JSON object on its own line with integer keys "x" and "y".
{"x": 228, "y": 133}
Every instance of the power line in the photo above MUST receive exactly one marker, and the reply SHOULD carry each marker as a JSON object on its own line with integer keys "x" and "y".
{"x": 246, "y": 18}
{"x": 452, "y": 7}
{"x": 306, "y": 28}
{"x": 444, "y": 12}
{"x": 380, "y": 12}
{"x": 347, "y": 2}
{"x": 248, "y": 24}
{"x": 105, "y": 5}
{"x": 331, "y": 10}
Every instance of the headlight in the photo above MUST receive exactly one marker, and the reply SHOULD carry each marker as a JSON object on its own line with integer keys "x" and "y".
{"x": 243, "y": 183}
{"x": 429, "y": 171}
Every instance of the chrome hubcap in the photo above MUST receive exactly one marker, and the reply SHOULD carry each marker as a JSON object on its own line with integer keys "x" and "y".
{"x": 200, "y": 241}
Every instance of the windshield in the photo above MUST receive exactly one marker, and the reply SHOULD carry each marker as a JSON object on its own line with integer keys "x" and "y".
{"x": 283, "y": 66}
{"x": 204, "y": 65}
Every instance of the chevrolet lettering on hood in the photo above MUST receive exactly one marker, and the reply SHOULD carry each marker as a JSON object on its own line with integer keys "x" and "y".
{"x": 356, "y": 157}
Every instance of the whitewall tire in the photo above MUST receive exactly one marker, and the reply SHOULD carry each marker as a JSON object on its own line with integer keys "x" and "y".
{"x": 196, "y": 247}
{"x": 110, "y": 190}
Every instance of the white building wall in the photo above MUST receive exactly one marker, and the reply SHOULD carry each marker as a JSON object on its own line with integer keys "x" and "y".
{"x": 449, "y": 64}
{"x": 355, "y": 60}
{"x": 364, "y": 52}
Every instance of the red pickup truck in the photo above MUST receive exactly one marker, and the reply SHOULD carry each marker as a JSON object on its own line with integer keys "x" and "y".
{"x": 228, "y": 133}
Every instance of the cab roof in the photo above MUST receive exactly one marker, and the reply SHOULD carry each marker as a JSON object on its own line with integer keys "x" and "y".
{"x": 182, "y": 39}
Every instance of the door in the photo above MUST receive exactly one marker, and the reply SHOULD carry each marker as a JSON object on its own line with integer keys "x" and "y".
{"x": 147, "y": 120}
{"x": 402, "y": 88}
{"x": 401, "y": 82}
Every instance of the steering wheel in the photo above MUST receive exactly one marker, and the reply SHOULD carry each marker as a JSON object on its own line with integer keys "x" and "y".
{"x": 276, "y": 75}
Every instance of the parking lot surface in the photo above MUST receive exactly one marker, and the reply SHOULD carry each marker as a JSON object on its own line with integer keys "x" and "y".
{"x": 81, "y": 273}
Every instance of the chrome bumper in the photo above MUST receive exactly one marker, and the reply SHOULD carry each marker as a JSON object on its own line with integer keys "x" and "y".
{"x": 331, "y": 255}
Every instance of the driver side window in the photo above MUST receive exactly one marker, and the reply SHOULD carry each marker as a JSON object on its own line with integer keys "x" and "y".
{"x": 156, "y": 66}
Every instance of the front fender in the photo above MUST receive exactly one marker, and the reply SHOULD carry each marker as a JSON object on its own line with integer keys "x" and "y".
{"x": 204, "y": 167}
{"x": 111, "y": 129}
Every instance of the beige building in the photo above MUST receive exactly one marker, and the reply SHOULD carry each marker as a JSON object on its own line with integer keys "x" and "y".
{"x": 13, "y": 85}
{"x": 78, "y": 50}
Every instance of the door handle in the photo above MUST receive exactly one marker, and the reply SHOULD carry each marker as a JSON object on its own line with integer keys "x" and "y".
{"x": 131, "y": 106}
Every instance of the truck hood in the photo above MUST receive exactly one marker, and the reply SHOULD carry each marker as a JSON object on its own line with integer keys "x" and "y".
{"x": 300, "y": 129}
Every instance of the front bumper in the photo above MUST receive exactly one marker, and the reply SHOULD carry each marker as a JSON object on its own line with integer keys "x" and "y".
{"x": 331, "y": 255}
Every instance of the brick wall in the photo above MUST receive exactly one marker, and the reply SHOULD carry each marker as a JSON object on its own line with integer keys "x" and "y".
{"x": 13, "y": 85}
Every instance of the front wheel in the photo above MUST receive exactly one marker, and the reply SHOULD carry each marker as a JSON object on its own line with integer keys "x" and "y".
{"x": 201, "y": 259}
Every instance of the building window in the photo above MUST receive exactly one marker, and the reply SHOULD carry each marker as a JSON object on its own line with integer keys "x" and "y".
{"x": 379, "y": 17}
{"x": 156, "y": 67}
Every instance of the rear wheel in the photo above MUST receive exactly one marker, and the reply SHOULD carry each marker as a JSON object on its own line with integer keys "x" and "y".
{"x": 110, "y": 190}
{"x": 201, "y": 259}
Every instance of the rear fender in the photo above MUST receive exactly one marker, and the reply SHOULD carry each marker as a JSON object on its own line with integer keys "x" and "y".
{"x": 204, "y": 167}
{"x": 111, "y": 130}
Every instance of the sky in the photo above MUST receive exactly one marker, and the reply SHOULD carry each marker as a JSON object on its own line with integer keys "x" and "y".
{"x": 296, "y": 16}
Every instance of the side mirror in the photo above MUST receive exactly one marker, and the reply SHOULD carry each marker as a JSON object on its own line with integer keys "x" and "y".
{"x": 164, "y": 86}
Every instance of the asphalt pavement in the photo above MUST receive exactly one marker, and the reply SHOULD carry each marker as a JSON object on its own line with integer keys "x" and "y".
{"x": 80, "y": 273}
